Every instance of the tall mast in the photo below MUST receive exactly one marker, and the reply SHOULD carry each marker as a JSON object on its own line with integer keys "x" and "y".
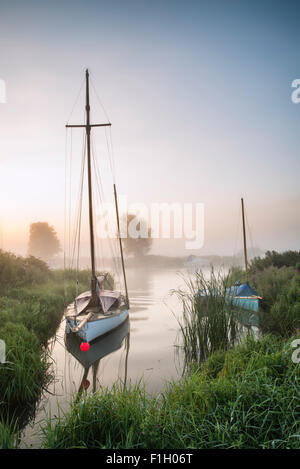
{"x": 120, "y": 243}
{"x": 88, "y": 127}
{"x": 245, "y": 241}
{"x": 88, "y": 140}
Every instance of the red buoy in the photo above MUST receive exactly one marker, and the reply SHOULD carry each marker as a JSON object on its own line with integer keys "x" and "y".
{"x": 85, "y": 384}
{"x": 84, "y": 346}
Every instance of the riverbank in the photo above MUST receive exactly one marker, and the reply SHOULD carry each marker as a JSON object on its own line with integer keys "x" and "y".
{"x": 238, "y": 391}
{"x": 247, "y": 397}
{"x": 32, "y": 300}
{"x": 240, "y": 395}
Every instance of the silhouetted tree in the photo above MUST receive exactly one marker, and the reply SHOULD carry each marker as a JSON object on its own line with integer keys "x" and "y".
{"x": 138, "y": 241}
{"x": 43, "y": 241}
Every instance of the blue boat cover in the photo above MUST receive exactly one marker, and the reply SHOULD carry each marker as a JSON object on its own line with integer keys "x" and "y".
{"x": 242, "y": 290}
{"x": 242, "y": 296}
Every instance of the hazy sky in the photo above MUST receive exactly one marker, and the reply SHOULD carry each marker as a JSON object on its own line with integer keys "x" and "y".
{"x": 199, "y": 95}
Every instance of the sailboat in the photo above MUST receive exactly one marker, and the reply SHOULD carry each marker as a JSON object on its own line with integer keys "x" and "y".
{"x": 244, "y": 299}
{"x": 97, "y": 311}
{"x": 243, "y": 296}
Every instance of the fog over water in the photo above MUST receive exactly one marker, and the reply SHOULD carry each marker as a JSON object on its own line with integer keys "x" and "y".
{"x": 149, "y": 355}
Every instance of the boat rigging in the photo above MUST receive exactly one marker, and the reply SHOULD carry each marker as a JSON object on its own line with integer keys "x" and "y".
{"x": 97, "y": 311}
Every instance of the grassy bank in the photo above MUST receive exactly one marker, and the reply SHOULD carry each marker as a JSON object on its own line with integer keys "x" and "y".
{"x": 233, "y": 395}
{"x": 276, "y": 277}
{"x": 210, "y": 321}
{"x": 247, "y": 397}
{"x": 32, "y": 300}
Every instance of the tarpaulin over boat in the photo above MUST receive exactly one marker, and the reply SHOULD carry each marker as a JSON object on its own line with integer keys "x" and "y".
{"x": 242, "y": 290}
{"x": 82, "y": 301}
{"x": 108, "y": 298}
{"x": 242, "y": 296}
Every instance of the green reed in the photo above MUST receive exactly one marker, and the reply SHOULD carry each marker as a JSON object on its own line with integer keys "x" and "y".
{"x": 9, "y": 435}
{"x": 209, "y": 321}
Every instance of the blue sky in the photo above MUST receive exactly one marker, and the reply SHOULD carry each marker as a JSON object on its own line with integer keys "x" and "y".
{"x": 198, "y": 94}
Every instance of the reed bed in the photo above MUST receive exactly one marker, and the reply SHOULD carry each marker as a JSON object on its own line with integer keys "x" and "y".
{"x": 209, "y": 321}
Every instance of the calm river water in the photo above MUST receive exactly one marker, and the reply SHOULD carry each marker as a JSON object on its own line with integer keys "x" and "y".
{"x": 143, "y": 349}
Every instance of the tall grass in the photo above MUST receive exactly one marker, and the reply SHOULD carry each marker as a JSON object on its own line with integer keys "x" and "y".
{"x": 246, "y": 397}
{"x": 9, "y": 435}
{"x": 24, "y": 374}
{"x": 280, "y": 307}
{"x": 209, "y": 321}
{"x": 32, "y": 301}
{"x": 40, "y": 306}
{"x": 29, "y": 317}
{"x": 279, "y": 287}
{"x": 110, "y": 418}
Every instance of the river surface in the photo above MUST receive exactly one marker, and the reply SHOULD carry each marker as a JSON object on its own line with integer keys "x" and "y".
{"x": 143, "y": 349}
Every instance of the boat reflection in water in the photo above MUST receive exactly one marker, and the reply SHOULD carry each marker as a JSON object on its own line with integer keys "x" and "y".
{"x": 99, "y": 348}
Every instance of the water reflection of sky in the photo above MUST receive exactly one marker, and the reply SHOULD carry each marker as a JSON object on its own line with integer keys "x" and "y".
{"x": 148, "y": 353}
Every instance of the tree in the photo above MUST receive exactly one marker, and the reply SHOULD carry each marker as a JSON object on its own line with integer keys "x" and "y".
{"x": 138, "y": 241}
{"x": 43, "y": 241}
{"x": 276, "y": 259}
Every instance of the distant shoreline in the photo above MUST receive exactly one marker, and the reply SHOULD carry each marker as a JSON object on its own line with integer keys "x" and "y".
{"x": 160, "y": 261}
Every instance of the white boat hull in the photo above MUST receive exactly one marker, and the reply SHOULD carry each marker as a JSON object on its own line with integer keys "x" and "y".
{"x": 95, "y": 328}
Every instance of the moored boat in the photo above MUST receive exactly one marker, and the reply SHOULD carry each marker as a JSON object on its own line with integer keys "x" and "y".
{"x": 98, "y": 310}
{"x": 242, "y": 296}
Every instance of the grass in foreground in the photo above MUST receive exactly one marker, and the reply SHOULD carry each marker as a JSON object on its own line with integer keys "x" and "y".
{"x": 247, "y": 397}
{"x": 9, "y": 435}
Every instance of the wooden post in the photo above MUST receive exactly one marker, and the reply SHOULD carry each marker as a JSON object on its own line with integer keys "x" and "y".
{"x": 120, "y": 243}
{"x": 245, "y": 241}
